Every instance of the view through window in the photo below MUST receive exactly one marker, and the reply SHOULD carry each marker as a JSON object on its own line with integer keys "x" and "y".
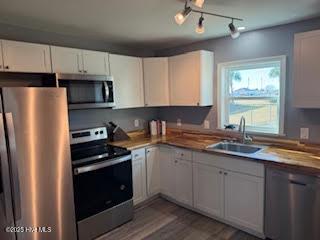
{"x": 253, "y": 89}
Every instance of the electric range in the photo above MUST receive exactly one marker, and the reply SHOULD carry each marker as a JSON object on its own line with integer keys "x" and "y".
{"x": 102, "y": 179}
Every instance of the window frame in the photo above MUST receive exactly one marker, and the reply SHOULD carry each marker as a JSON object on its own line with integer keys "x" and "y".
{"x": 222, "y": 101}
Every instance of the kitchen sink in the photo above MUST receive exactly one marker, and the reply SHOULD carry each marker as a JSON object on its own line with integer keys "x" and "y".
{"x": 229, "y": 147}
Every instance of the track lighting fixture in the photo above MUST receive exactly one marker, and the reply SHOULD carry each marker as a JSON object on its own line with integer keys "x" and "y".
{"x": 181, "y": 17}
{"x": 200, "y": 26}
{"x": 233, "y": 31}
{"x": 198, "y": 3}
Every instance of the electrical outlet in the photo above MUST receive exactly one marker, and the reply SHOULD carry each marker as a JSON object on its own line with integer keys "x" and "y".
{"x": 179, "y": 122}
{"x": 206, "y": 124}
{"x": 136, "y": 123}
{"x": 304, "y": 133}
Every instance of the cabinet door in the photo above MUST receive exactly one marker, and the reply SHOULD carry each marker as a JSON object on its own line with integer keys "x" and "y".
{"x": 184, "y": 79}
{"x": 156, "y": 81}
{"x": 183, "y": 182}
{"x": 95, "y": 62}
{"x": 153, "y": 171}
{"x": 208, "y": 189}
{"x": 26, "y": 57}
{"x": 1, "y": 57}
{"x": 167, "y": 180}
{"x": 306, "y": 70}
{"x": 66, "y": 60}
{"x": 139, "y": 176}
{"x": 244, "y": 200}
{"x": 128, "y": 81}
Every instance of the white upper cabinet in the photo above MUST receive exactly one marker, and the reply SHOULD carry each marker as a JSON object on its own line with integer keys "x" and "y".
{"x": 306, "y": 70}
{"x": 95, "y": 62}
{"x": 156, "y": 81}
{"x": 72, "y": 60}
{"x": 66, "y": 60}
{"x": 191, "y": 79}
{"x": 128, "y": 81}
{"x": 25, "y": 57}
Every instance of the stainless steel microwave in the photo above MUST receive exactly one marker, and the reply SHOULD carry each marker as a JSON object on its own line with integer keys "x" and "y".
{"x": 87, "y": 91}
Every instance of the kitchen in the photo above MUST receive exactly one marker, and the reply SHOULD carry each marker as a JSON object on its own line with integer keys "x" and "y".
{"x": 112, "y": 129}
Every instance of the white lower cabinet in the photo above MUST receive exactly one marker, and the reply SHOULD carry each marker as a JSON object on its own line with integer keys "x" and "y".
{"x": 153, "y": 171}
{"x": 227, "y": 188}
{"x": 166, "y": 171}
{"x": 208, "y": 189}
{"x": 175, "y": 176}
{"x": 230, "y": 189}
{"x": 139, "y": 176}
{"x": 244, "y": 200}
{"x": 183, "y": 181}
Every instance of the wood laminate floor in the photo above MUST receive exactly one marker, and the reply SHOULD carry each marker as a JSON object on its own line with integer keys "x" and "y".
{"x": 163, "y": 220}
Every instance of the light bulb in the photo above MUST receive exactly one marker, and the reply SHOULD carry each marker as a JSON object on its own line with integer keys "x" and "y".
{"x": 181, "y": 17}
{"x": 200, "y": 26}
{"x": 198, "y": 3}
{"x": 200, "y": 29}
{"x": 233, "y": 31}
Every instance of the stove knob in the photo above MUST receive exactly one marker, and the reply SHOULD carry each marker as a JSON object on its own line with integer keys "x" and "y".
{"x": 96, "y": 133}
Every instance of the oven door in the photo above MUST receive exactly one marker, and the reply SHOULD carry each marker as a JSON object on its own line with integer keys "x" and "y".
{"x": 85, "y": 92}
{"x": 100, "y": 186}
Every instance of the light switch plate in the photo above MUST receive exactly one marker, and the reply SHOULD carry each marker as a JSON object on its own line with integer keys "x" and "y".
{"x": 304, "y": 133}
{"x": 136, "y": 123}
{"x": 206, "y": 124}
{"x": 179, "y": 122}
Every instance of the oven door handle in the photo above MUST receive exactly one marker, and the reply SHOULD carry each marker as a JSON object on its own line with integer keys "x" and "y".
{"x": 93, "y": 167}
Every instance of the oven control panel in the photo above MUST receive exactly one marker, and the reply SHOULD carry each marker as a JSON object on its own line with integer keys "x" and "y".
{"x": 88, "y": 135}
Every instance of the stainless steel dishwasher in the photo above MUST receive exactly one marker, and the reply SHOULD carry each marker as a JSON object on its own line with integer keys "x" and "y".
{"x": 292, "y": 206}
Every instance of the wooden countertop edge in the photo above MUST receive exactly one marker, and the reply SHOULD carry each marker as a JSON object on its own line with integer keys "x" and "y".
{"x": 141, "y": 142}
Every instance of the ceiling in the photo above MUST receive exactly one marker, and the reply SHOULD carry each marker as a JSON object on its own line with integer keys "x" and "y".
{"x": 148, "y": 23}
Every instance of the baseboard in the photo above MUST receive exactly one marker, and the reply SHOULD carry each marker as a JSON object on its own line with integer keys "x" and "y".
{"x": 147, "y": 201}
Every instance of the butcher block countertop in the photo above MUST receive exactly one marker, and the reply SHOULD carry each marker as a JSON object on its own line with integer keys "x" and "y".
{"x": 284, "y": 154}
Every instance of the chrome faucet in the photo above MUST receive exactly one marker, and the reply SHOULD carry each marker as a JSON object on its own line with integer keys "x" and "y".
{"x": 242, "y": 129}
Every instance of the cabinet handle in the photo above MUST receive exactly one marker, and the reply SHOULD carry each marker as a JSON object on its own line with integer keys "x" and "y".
{"x": 136, "y": 155}
{"x": 220, "y": 172}
{"x": 80, "y": 71}
{"x": 85, "y": 71}
{"x": 225, "y": 173}
{"x": 6, "y": 67}
{"x": 175, "y": 161}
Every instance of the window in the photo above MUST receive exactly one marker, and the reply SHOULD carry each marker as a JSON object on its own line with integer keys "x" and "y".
{"x": 253, "y": 89}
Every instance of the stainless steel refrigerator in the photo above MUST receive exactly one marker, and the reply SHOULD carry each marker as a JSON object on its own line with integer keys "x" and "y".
{"x": 36, "y": 177}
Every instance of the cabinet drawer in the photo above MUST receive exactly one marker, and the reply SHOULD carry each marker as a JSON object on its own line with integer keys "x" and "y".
{"x": 230, "y": 163}
{"x": 183, "y": 154}
{"x": 138, "y": 153}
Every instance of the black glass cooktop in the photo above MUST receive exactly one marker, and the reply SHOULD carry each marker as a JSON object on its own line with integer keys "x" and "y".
{"x": 94, "y": 149}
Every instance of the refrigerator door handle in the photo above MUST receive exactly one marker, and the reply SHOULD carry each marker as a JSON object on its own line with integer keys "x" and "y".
{"x": 5, "y": 175}
{"x": 14, "y": 164}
